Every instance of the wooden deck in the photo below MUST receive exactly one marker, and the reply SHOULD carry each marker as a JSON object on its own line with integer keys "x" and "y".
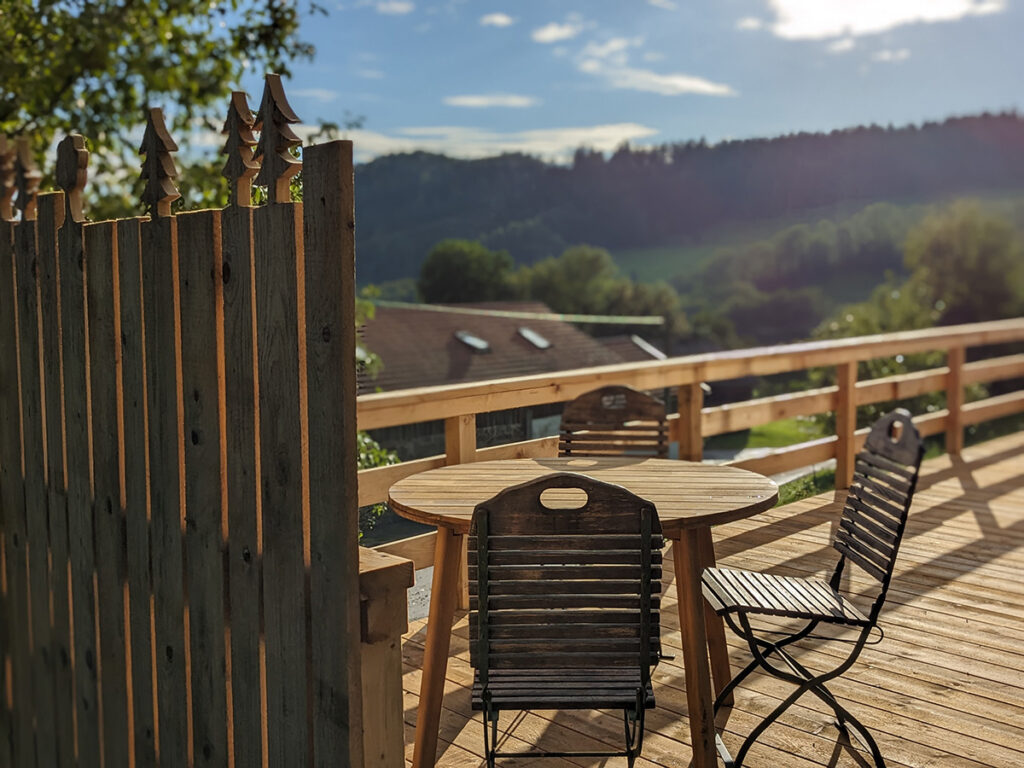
{"x": 945, "y": 687}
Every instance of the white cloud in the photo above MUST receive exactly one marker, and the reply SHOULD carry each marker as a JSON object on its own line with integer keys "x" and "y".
{"x": 614, "y": 48}
{"x": 556, "y": 144}
{"x": 819, "y": 19}
{"x": 633, "y": 79}
{"x": 395, "y": 7}
{"x": 370, "y": 74}
{"x": 668, "y": 5}
{"x": 317, "y": 94}
{"x": 491, "y": 100}
{"x": 901, "y": 54}
{"x": 842, "y": 45}
{"x": 497, "y": 20}
{"x": 749, "y": 22}
{"x": 555, "y": 32}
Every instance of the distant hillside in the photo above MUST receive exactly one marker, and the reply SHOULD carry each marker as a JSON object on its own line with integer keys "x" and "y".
{"x": 668, "y": 195}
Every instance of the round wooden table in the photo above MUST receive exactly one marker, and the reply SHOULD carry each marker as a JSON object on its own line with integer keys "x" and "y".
{"x": 690, "y": 498}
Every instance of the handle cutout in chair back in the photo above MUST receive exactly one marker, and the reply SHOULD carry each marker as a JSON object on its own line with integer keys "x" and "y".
{"x": 563, "y": 499}
{"x": 895, "y": 437}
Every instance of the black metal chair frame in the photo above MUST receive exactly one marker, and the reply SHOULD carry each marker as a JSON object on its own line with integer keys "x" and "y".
{"x": 575, "y": 523}
{"x": 874, "y": 513}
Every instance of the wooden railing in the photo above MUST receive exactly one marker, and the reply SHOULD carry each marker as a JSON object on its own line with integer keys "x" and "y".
{"x": 459, "y": 405}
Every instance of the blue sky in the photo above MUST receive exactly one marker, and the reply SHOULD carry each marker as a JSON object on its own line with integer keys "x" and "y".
{"x": 474, "y": 78}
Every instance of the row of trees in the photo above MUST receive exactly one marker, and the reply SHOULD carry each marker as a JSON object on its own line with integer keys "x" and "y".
{"x": 582, "y": 280}
{"x": 672, "y": 194}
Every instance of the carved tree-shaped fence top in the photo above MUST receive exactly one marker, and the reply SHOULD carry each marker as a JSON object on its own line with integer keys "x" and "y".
{"x": 177, "y": 462}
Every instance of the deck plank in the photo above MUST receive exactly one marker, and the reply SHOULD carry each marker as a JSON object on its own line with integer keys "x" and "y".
{"x": 945, "y": 687}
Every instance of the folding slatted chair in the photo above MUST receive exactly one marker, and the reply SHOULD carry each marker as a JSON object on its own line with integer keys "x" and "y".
{"x": 564, "y": 605}
{"x": 614, "y": 421}
{"x": 868, "y": 537}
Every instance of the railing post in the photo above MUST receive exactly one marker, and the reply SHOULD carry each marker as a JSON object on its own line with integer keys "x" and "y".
{"x": 460, "y": 448}
{"x": 955, "y": 359}
{"x": 846, "y": 422}
{"x": 383, "y": 581}
{"x": 691, "y": 438}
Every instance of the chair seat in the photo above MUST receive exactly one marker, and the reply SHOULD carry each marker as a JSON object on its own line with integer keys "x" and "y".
{"x": 607, "y": 688}
{"x": 731, "y": 590}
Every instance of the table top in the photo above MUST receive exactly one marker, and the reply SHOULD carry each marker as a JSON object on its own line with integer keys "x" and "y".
{"x": 686, "y": 494}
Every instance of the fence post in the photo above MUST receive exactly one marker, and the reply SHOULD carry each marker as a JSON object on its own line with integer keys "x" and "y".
{"x": 383, "y": 581}
{"x": 955, "y": 359}
{"x": 846, "y": 422}
{"x": 691, "y": 438}
{"x": 460, "y": 448}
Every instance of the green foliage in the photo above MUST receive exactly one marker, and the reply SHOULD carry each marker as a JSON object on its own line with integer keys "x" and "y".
{"x": 94, "y": 66}
{"x": 808, "y": 485}
{"x": 371, "y": 454}
{"x": 464, "y": 270}
{"x": 688, "y": 195}
{"x": 582, "y": 280}
{"x": 967, "y": 264}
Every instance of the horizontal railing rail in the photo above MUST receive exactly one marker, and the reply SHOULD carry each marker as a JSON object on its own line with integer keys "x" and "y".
{"x": 459, "y": 405}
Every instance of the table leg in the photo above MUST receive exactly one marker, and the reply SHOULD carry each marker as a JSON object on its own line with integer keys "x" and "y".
{"x": 435, "y": 655}
{"x": 721, "y": 672}
{"x": 695, "y": 650}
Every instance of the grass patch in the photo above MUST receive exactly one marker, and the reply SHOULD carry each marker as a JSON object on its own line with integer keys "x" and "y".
{"x": 777, "y": 434}
{"x": 808, "y": 485}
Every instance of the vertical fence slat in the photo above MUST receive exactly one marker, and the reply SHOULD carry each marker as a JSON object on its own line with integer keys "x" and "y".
{"x": 242, "y": 482}
{"x": 79, "y": 481}
{"x": 199, "y": 238}
{"x": 50, "y": 217}
{"x": 329, "y": 239}
{"x": 135, "y": 500}
{"x": 12, "y": 496}
{"x": 277, "y": 231}
{"x": 104, "y": 346}
{"x": 160, "y": 299}
{"x": 35, "y": 493}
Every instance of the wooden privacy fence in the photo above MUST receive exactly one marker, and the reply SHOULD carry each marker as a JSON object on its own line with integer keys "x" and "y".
{"x": 177, "y": 463}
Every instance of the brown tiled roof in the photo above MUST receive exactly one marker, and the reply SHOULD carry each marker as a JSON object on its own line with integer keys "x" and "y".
{"x": 630, "y": 348}
{"x": 418, "y": 347}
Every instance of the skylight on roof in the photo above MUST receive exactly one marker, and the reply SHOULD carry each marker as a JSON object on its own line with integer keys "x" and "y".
{"x": 473, "y": 342}
{"x": 534, "y": 338}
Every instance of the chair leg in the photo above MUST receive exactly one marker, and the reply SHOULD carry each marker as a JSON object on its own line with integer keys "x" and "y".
{"x": 490, "y": 719}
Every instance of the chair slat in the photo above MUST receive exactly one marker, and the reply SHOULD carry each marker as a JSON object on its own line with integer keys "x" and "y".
{"x": 850, "y": 552}
{"x": 564, "y": 572}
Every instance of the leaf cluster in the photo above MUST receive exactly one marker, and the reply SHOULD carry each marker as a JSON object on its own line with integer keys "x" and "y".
{"x": 93, "y": 66}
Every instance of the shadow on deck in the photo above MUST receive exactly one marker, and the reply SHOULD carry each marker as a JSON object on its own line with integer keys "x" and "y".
{"x": 945, "y": 687}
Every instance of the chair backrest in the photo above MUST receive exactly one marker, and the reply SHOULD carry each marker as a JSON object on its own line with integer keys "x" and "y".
{"x": 614, "y": 421}
{"x": 875, "y": 514}
{"x": 556, "y": 588}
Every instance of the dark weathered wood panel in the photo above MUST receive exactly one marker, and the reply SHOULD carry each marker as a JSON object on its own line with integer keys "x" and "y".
{"x": 329, "y": 236}
{"x": 108, "y": 516}
{"x": 50, "y": 217}
{"x": 244, "y": 522}
{"x": 33, "y": 436}
{"x": 278, "y": 244}
{"x": 12, "y": 496}
{"x": 79, "y": 482}
{"x": 162, "y": 354}
{"x": 136, "y": 502}
{"x": 199, "y": 239}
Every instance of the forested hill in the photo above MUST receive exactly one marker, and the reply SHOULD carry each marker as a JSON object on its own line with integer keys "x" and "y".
{"x": 670, "y": 194}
